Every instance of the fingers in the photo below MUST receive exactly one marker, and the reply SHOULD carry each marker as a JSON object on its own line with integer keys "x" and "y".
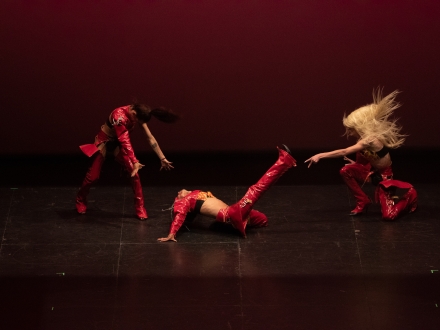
{"x": 310, "y": 160}
{"x": 166, "y": 239}
{"x": 166, "y": 165}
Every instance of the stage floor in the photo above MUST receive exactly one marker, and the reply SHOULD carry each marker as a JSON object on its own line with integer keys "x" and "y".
{"x": 313, "y": 267}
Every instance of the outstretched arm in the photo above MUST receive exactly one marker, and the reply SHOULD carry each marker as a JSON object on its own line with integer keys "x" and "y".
{"x": 337, "y": 153}
{"x": 165, "y": 164}
{"x": 180, "y": 210}
{"x": 124, "y": 139}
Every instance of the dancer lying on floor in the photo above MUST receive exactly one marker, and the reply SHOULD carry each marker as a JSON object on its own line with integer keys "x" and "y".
{"x": 377, "y": 134}
{"x": 239, "y": 215}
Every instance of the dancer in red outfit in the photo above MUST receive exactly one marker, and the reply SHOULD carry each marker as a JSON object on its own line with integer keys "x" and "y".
{"x": 240, "y": 214}
{"x": 114, "y": 138}
{"x": 376, "y": 135}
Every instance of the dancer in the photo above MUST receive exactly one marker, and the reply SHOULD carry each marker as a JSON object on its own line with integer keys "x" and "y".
{"x": 377, "y": 134}
{"x": 240, "y": 214}
{"x": 113, "y": 138}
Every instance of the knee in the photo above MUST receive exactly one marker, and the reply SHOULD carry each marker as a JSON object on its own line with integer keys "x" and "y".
{"x": 344, "y": 171}
{"x": 257, "y": 219}
{"x": 93, "y": 175}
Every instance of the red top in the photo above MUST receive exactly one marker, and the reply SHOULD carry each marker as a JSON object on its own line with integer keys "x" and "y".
{"x": 181, "y": 208}
{"x": 122, "y": 125}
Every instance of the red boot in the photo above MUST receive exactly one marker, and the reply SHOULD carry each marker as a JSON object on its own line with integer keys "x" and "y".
{"x": 91, "y": 177}
{"x": 138, "y": 198}
{"x": 393, "y": 206}
{"x": 352, "y": 174}
{"x": 239, "y": 212}
{"x": 257, "y": 219}
{"x": 125, "y": 161}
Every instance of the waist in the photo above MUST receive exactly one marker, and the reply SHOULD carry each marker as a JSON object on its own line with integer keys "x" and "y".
{"x": 110, "y": 132}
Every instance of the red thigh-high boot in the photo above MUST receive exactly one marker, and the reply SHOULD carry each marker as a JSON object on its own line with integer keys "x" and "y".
{"x": 393, "y": 206}
{"x": 240, "y": 210}
{"x": 141, "y": 213}
{"x": 352, "y": 174}
{"x": 138, "y": 197}
{"x": 91, "y": 176}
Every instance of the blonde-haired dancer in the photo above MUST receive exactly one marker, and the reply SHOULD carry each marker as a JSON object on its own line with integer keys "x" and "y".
{"x": 376, "y": 135}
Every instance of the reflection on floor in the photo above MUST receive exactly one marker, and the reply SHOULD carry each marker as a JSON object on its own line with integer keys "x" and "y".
{"x": 313, "y": 267}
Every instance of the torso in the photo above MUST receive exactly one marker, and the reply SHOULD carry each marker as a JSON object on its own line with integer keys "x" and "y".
{"x": 371, "y": 152}
{"x": 212, "y": 206}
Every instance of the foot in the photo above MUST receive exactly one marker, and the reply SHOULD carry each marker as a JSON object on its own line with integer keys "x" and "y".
{"x": 287, "y": 156}
{"x": 235, "y": 218}
{"x": 81, "y": 207}
{"x": 360, "y": 208}
{"x": 142, "y": 214}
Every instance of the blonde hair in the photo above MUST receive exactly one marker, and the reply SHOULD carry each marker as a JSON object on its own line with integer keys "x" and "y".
{"x": 373, "y": 120}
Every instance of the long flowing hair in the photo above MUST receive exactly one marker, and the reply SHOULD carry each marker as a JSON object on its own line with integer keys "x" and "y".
{"x": 374, "y": 120}
{"x": 144, "y": 113}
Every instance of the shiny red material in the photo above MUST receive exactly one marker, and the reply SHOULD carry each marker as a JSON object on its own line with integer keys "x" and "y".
{"x": 391, "y": 205}
{"x": 239, "y": 212}
{"x": 353, "y": 174}
{"x": 122, "y": 125}
{"x": 181, "y": 208}
{"x": 92, "y": 175}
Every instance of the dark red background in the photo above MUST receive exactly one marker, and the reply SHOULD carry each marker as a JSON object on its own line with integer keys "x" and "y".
{"x": 244, "y": 74}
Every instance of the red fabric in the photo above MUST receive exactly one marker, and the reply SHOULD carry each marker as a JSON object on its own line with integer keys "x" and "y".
{"x": 135, "y": 185}
{"x": 391, "y": 208}
{"x": 92, "y": 175}
{"x": 181, "y": 208}
{"x": 89, "y": 149}
{"x": 354, "y": 175}
{"x": 257, "y": 219}
{"x": 239, "y": 212}
{"x": 122, "y": 124}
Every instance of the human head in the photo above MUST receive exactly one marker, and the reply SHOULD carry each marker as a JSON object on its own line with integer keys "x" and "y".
{"x": 356, "y": 122}
{"x": 373, "y": 120}
{"x": 183, "y": 193}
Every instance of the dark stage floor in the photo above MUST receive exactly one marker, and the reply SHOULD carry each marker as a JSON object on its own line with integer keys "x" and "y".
{"x": 313, "y": 267}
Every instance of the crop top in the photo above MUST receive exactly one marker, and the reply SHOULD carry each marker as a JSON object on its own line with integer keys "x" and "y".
{"x": 376, "y": 154}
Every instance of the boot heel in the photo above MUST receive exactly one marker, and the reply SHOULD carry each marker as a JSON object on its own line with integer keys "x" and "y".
{"x": 360, "y": 209}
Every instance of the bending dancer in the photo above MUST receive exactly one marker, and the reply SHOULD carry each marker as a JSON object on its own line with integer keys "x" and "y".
{"x": 240, "y": 214}
{"x": 113, "y": 138}
{"x": 377, "y": 134}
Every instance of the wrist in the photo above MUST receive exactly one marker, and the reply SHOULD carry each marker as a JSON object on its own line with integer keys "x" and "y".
{"x": 163, "y": 158}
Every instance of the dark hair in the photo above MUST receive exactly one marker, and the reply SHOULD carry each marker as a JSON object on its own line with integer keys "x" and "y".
{"x": 144, "y": 113}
